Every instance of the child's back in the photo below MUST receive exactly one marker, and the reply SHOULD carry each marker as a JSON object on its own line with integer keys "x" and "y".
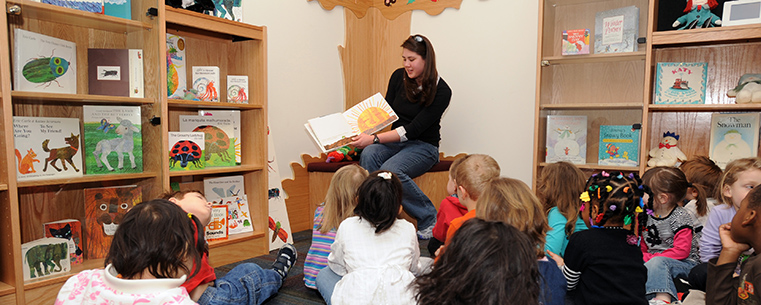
{"x": 470, "y": 178}
{"x": 558, "y": 189}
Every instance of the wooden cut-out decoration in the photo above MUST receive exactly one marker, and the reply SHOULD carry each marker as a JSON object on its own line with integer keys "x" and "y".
{"x": 391, "y": 8}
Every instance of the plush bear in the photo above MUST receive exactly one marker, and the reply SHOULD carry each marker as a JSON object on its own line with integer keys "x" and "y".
{"x": 666, "y": 154}
{"x": 748, "y": 89}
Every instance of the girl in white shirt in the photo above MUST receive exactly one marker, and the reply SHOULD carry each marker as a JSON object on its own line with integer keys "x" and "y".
{"x": 376, "y": 254}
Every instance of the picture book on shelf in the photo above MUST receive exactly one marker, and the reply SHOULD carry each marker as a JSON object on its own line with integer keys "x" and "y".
{"x": 236, "y": 139}
{"x": 71, "y": 230}
{"x": 117, "y": 72}
{"x": 92, "y": 6}
{"x": 105, "y": 208}
{"x": 219, "y": 142}
{"x": 217, "y": 227}
{"x": 238, "y": 219}
{"x": 237, "y": 89}
{"x": 680, "y": 83}
{"x": 186, "y": 151}
{"x": 221, "y": 187}
{"x": 619, "y": 145}
{"x": 206, "y": 83}
{"x": 176, "y": 69}
{"x": 52, "y": 143}
{"x": 43, "y": 63}
{"x": 113, "y": 141}
{"x": 230, "y": 10}
{"x": 333, "y": 131}
{"x": 566, "y": 139}
{"x": 617, "y": 30}
{"x": 45, "y": 257}
{"x": 118, "y": 8}
{"x": 733, "y": 136}
{"x": 575, "y": 42}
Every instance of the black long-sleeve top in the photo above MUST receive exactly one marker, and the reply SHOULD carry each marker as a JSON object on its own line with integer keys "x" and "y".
{"x": 420, "y": 122}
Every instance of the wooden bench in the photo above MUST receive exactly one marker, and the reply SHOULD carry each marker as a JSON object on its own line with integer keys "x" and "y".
{"x": 310, "y": 185}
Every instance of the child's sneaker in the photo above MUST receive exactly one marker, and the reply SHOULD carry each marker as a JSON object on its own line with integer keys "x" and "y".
{"x": 286, "y": 257}
{"x": 658, "y": 302}
{"x": 426, "y": 233}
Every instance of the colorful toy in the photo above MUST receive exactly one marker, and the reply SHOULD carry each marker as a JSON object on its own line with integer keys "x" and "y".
{"x": 666, "y": 154}
{"x": 748, "y": 89}
{"x": 346, "y": 153}
{"x": 698, "y": 15}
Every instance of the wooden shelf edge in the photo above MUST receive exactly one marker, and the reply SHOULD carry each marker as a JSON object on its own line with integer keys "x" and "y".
{"x": 704, "y": 107}
{"x": 6, "y": 289}
{"x": 593, "y": 58}
{"x": 595, "y": 166}
{"x": 87, "y": 178}
{"x": 220, "y": 105}
{"x": 636, "y": 106}
{"x": 217, "y": 170}
{"x": 49, "y": 98}
{"x": 3, "y": 187}
{"x": 212, "y": 23}
{"x": 49, "y": 12}
{"x": 709, "y": 35}
{"x": 235, "y": 238}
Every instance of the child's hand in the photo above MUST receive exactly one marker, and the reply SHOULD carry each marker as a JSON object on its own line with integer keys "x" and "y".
{"x": 728, "y": 243}
{"x": 558, "y": 260}
{"x": 438, "y": 251}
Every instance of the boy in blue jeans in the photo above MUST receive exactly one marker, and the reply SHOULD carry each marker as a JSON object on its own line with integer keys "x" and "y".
{"x": 247, "y": 283}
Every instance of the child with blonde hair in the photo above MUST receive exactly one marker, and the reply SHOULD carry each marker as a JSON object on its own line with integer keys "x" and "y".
{"x": 512, "y": 202}
{"x": 339, "y": 204}
{"x": 558, "y": 189}
{"x": 470, "y": 178}
{"x": 449, "y": 209}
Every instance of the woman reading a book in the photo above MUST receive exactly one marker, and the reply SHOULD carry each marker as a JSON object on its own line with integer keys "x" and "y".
{"x": 419, "y": 97}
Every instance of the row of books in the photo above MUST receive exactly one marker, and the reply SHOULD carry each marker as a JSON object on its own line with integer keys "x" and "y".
{"x": 49, "y": 147}
{"x": 616, "y": 31}
{"x": 733, "y": 136}
{"x": 72, "y": 241}
{"x": 231, "y": 10}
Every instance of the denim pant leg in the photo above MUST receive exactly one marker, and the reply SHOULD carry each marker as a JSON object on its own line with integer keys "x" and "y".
{"x": 326, "y": 281}
{"x": 247, "y": 283}
{"x": 373, "y": 156}
{"x": 412, "y": 159}
{"x": 661, "y": 272}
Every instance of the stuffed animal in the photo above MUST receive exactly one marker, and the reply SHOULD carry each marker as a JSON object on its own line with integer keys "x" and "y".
{"x": 748, "y": 89}
{"x": 346, "y": 153}
{"x": 666, "y": 154}
{"x": 698, "y": 15}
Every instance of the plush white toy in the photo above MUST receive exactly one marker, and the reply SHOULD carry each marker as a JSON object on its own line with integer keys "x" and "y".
{"x": 748, "y": 89}
{"x": 666, "y": 154}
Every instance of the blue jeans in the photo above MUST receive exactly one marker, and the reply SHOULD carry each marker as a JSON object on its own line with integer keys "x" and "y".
{"x": 247, "y": 283}
{"x": 661, "y": 272}
{"x": 326, "y": 281}
{"x": 407, "y": 160}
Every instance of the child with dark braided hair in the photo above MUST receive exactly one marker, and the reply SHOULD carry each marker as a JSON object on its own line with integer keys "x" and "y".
{"x": 603, "y": 265}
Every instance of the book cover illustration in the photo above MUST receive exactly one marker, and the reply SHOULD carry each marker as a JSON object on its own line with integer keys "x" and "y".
{"x": 52, "y": 142}
{"x": 336, "y": 130}
{"x": 186, "y": 151}
{"x": 71, "y": 230}
{"x": 206, "y": 83}
{"x": 617, "y": 30}
{"x": 575, "y": 42}
{"x": 237, "y": 89}
{"x": 680, "y": 82}
{"x": 45, "y": 257}
{"x": 176, "y": 74}
{"x": 238, "y": 219}
{"x": 619, "y": 145}
{"x": 236, "y": 141}
{"x": 217, "y": 227}
{"x": 116, "y": 72}
{"x": 219, "y": 148}
{"x": 227, "y": 9}
{"x": 118, "y": 8}
{"x": 113, "y": 141}
{"x": 105, "y": 208}
{"x": 43, "y": 63}
{"x": 566, "y": 139}
{"x": 92, "y": 6}
{"x": 733, "y": 136}
{"x": 279, "y": 225}
{"x": 222, "y": 187}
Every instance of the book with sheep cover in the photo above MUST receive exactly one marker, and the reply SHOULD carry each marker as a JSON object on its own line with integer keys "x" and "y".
{"x": 733, "y": 136}
{"x": 566, "y": 139}
{"x": 619, "y": 145}
{"x": 113, "y": 139}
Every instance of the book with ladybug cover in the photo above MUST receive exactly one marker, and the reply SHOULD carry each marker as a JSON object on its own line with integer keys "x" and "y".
{"x": 113, "y": 139}
{"x": 105, "y": 208}
{"x": 219, "y": 131}
{"x": 186, "y": 151}
{"x": 43, "y": 63}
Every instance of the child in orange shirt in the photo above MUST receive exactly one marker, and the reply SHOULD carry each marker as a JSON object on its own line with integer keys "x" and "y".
{"x": 449, "y": 209}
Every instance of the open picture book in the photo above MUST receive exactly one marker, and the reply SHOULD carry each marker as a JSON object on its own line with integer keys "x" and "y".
{"x": 336, "y": 130}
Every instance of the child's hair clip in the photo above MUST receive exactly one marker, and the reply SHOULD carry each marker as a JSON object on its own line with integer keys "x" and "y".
{"x": 620, "y": 176}
{"x": 641, "y": 202}
{"x": 608, "y": 188}
{"x": 605, "y": 174}
{"x": 626, "y": 189}
{"x": 638, "y": 210}
{"x": 593, "y": 187}
{"x": 628, "y": 220}
{"x": 650, "y": 212}
{"x": 612, "y": 207}
{"x": 418, "y": 38}
{"x": 582, "y": 207}
{"x": 190, "y": 215}
{"x": 631, "y": 175}
{"x": 584, "y": 197}
{"x": 385, "y": 175}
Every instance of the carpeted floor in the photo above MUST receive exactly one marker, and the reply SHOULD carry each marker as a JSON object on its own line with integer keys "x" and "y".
{"x": 293, "y": 290}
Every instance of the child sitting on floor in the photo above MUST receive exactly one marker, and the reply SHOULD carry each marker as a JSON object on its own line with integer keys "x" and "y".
{"x": 449, "y": 209}
{"x": 339, "y": 204}
{"x": 558, "y": 189}
{"x": 247, "y": 283}
{"x": 142, "y": 266}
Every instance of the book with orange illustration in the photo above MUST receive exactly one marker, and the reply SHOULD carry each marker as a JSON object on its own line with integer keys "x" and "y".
{"x": 336, "y": 130}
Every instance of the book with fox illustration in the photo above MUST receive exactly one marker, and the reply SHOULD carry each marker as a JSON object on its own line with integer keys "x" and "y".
{"x": 47, "y": 148}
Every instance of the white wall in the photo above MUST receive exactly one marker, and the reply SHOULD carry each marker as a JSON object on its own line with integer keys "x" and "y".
{"x": 486, "y": 51}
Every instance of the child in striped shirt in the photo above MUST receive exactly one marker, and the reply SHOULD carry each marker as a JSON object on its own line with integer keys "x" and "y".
{"x": 339, "y": 204}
